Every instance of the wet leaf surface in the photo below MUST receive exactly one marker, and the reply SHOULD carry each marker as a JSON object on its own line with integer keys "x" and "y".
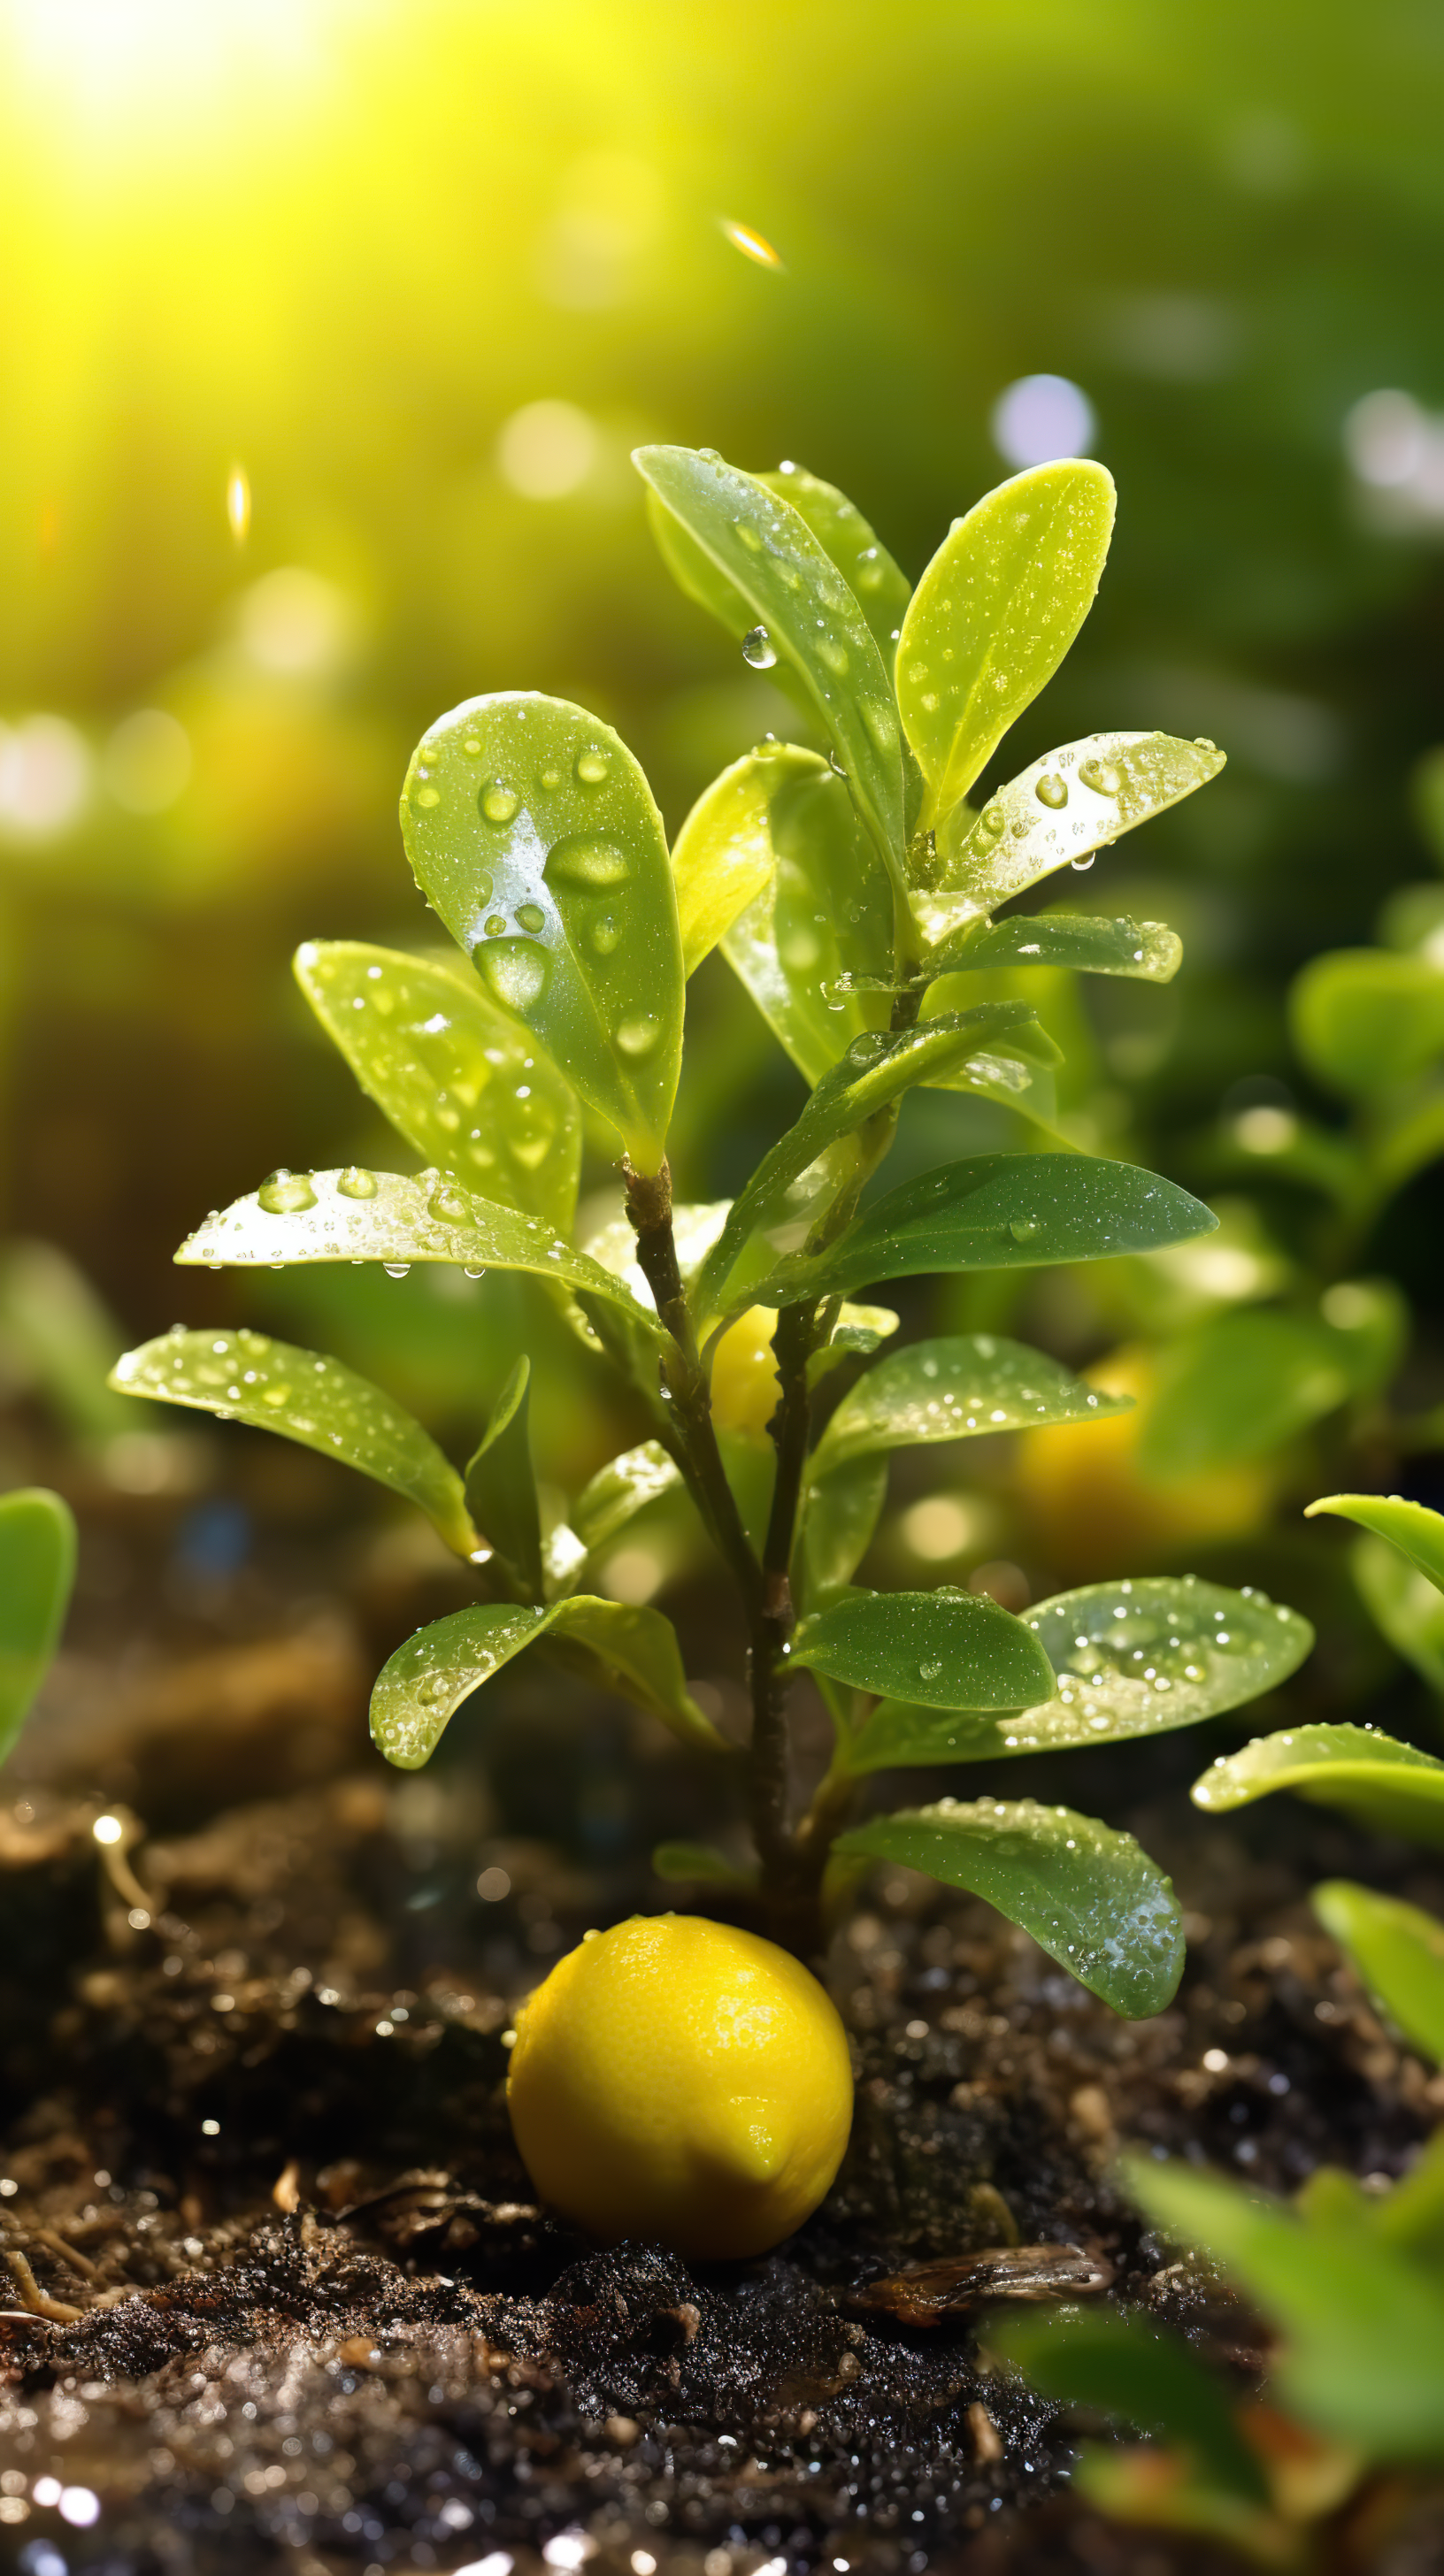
{"x": 1391, "y": 1786}
{"x": 948, "y": 1649}
{"x": 37, "y": 1569}
{"x": 1146, "y": 949}
{"x": 424, "y": 1683}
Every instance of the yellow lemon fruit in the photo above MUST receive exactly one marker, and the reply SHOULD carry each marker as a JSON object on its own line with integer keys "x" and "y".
{"x": 677, "y": 2078}
{"x": 745, "y": 1383}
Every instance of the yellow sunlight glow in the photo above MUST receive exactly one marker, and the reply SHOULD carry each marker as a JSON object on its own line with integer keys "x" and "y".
{"x": 115, "y": 61}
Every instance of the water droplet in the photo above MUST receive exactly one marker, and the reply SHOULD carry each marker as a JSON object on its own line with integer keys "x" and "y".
{"x": 531, "y": 916}
{"x": 993, "y": 819}
{"x": 932, "y": 1672}
{"x": 1085, "y": 863}
{"x": 589, "y": 865}
{"x": 472, "y": 747}
{"x": 468, "y": 1273}
{"x": 638, "y": 1037}
{"x": 759, "y": 649}
{"x": 483, "y": 894}
{"x": 427, "y": 796}
{"x": 832, "y": 655}
{"x": 1102, "y": 776}
{"x": 275, "y": 1396}
{"x": 1022, "y": 1228}
{"x": 395, "y": 1269}
{"x": 867, "y": 1048}
{"x": 551, "y": 778}
{"x": 499, "y": 803}
{"x": 592, "y": 767}
{"x": 494, "y": 924}
{"x": 354, "y": 1183}
{"x": 431, "y": 1691}
{"x": 604, "y": 934}
{"x": 286, "y": 1193}
{"x": 1201, "y": 743}
{"x": 516, "y": 970}
{"x": 1051, "y": 790}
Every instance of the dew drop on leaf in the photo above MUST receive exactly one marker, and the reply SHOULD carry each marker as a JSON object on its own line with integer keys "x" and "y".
{"x": 637, "y": 1037}
{"x": 499, "y": 803}
{"x": 758, "y": 649}
{"x": 588, "y": 865}
{"x": 396, "y": 1269}
{"x": 286, "y": 1193}
{"x": 531, "y": 916}
{"x": 426, "y": 796}
{"x": 1023, "y": 1228}
{"x": 354, "y": 1183}
{"x": 592, "y": 767}
{"x": 1102, "y": 776}
{"x": 1081, "y": 866}
{"x": 1051, "y": 790}
{"x": 516, "y": 970}
{"x": 604, "y": 934}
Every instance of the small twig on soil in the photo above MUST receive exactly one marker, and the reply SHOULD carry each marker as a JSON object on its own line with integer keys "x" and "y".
{"x": 36, "y": 2300}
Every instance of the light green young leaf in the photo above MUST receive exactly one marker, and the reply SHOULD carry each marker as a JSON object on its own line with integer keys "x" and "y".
{"x": 767, "y": 551}
{"x": 37, "y": 1571}
{"x": 1404, "y": 1605}
{"x": 1145, "y": 949}
{"x": 723, "y": 857}
{"x": 396, "y": 1218}
{"x": 1412, "y": 1528}
{"x": 961, "y": 1386}
{"x": 1393, "y": 1787}
{"x": 994, "y": 614}
{"x": 426, "y": 1680}
{"x": 533, "y": 831}
{"x": 1243, "y": 1383}
{"x": 621, "y": 1489}
{"x": 1058, "y": 810}
{"x": 1134, "y": 1658}
{"x": 997, "y": 1212}
{"x": 1364, "y": 1019}
{"x": 501, "y": 1485}
{"x": 1125, "y": 2367}
{"x": 461, "y": 1080}
{"x": 876, "y": 1070}
{"x": 1090, "y": 1897}
{"x": 824, "y": 916}
{"x": 248, "y": 1377}
{"x": 946, "y": 1649}
{"x": 881, "y": 589}
{"x": 1398, "y": 1952}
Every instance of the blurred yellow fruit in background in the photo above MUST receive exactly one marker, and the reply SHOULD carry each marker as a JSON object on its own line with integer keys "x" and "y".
{"x": 745, "y": 1383}
{"x": 679, "y": 2079}
{"x": 1093, "y": 1512}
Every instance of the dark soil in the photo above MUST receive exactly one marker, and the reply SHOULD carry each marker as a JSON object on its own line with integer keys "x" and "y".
{"x": 278, "y": 2297}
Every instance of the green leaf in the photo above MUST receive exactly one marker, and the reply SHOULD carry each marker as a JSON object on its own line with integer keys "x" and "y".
{"x": 1060, "y": 809}
{"x": 998, "y": 1212}
{"x": 769, "y": 554}
{"x": 619, "y": 1490}
{"x": 824, "y": 916}
{"x": 426, "y": 1680}
{"x": 994, "y": 614}
{"x": 1125, "y": 2367}
{"x": 876, "y": 1070}
{"x": 501, "y": 1485}
{"x": 723, "y": 857}
{"x": 698, "y": 1865}
{"x": 1391, "y": 1786}
{"x": 1090, "y": 1897}
{"x": 1364, "y": 1019}
{"x": 1243, "y": 1383}
{"x": 962, "y": 1386}
{"x": 1134, "y": 1658}
{"x": 1412, "y": 1528}
{"x": 840, "y": 1515}
{"x": 946, "y": 1649}
{"x": 248, "y": 1377}
{"x": 37, "y": 1571}
{"x": 398, "y": 1219}
{"x": 1364, "y": 2323}
{"x": 533, "y": 831}
{"x": 1404, "y": 1605}
{"x": 1146, "y": 949}
{"x": 458, "y": 1078}
{"x": 1397, "y": 1950}
{"x": 881, "y": 589}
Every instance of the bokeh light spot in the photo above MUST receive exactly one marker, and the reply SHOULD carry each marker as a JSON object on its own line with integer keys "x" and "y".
{"x": 753, "y": 245}
{"x": 147, "y": 761}
{"x": 295, "y": 623}
{"x": 546, "y": 450}
{"x": 44, "y": 778}
{"x": 1040, "y": 418}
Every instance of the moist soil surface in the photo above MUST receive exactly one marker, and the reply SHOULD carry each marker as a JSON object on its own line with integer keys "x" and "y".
{"x": 277, "y": 2296}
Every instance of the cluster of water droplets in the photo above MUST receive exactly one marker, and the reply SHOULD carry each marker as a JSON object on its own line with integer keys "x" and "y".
{"x": 1153, "y": 1653}
{"x": 427, "y": 1678}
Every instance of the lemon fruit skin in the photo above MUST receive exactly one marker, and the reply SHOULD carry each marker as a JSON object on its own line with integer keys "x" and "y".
{"x": 676, "y": 2078}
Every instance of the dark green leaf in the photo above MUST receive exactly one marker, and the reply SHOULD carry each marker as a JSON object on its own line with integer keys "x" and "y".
{"x": 963, "y": 1386}
{"x": 841, "y": 1513}
{"x": 698, "y": 1865}
{"x": 1243, "y": 1383}
{"x": 1398, "y": 1952}
{"x": 1412, "y": 1528}
{"x": 37, "y": 1570}
{"x": 1391, "y": 1786}
{"x": 1139, "y": 1657}
{"x": 946, "y": 1649}
{"x": 1404, "y": 1605}
{"x": 459, "y": 1079}
{"x": 501, "y": 1485}
{"x": 1060, "y": 809}
{"x": 397, "y": 1219}
{"x": 997, "y": 1212}
{"x": 532, "y": 830}
{"x": 1366, "y": 1018}
{"x": 620, "y": 1489}
{"x": 248, "y": 1377}
{"x": 767, "y": 551}
{"x": 427, "y": 1679}
{"x": 1090, "y": 1897}
{"x": 1147, "y": 949}
{"x": 1126, "y": 2367}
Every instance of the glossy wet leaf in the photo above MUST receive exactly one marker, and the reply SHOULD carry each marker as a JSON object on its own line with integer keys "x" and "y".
{"x": 534, "y": 834}
{"x": 1148, "y": 950}
{"x": 1405, "y": 1605}
{"x": 882, "y": 590}
{"x": 1391, "y": 1786}
{"x": 1412, "y": 1528}
{"x": 1060, "y": 809}
{"x": 633, "y": 1650}
{"x": 1364, "y": 1019}
{"x": 1089, "y": 1896}
{"x": 946, "y": 1649}
{"x": 249, "y": 1377}
{"x": 37, "y": 1572}
{"x": 767, "y": 551}
{"x": 1140, "y": 1657}
{"x": 957, "y": 1387}
{"x": 876, "y": 1070}
{"x": 1127, "y": 2367}
{"x": 999, "y": 1212}
{"x": 399, "y": 1220}
{"x": 1362, "y": 2322}
{"x": 840, "y": 1514}
{"x": 501, "y": 1485}
{"x": 620, "y": 1490}
{"x": 994, "y": 614}
{"x": 723, "y": 857}
{"x": 1243, "y": 1383}
{"x": 858, "y": 1332}
{"x": 458, "y": 1078}
{"x": 1397, "y": 1950}
{"x": 804, "y": 945}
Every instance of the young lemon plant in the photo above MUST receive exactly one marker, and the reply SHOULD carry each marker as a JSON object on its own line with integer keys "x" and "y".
{"x": 856, "y": 891}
